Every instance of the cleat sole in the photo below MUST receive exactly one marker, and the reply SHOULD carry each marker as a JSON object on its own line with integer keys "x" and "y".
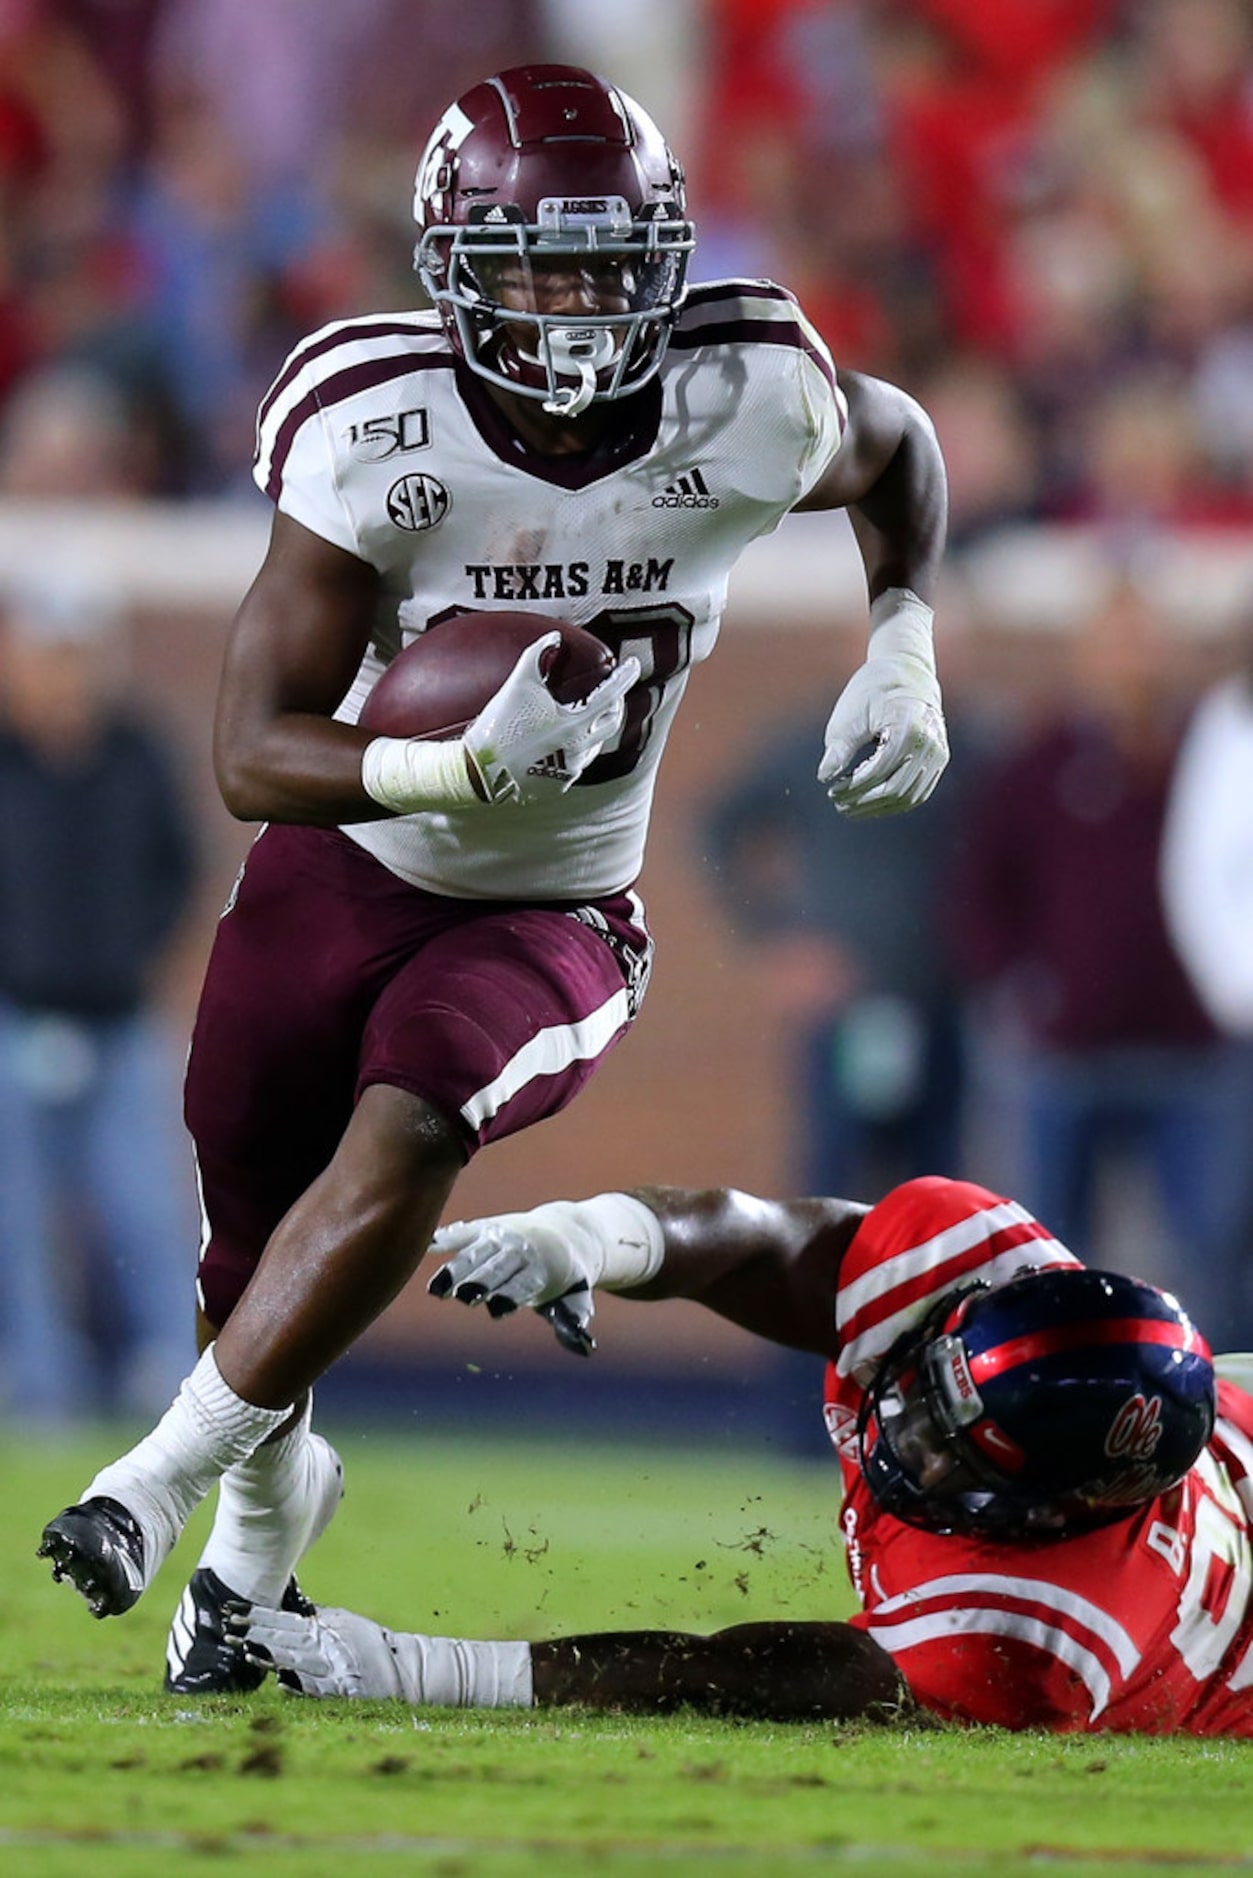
{"x": 72, "y": 1544}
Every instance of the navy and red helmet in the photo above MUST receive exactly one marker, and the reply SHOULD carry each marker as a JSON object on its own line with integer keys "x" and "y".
{"x": 539, "y": 175}
{"x": 1057, "y": 1402}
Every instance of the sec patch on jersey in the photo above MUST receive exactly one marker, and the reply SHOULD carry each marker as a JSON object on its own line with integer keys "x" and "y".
{"x": 438, "y": 684}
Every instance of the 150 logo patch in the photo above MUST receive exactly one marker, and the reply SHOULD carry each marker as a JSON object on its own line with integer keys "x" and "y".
{"x": 377, "y": 438}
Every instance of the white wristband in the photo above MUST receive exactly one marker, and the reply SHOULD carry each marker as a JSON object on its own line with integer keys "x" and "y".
{"x": 900, "y": 627}
{"x": 453, "y": 1672}
{"x": 407, "y": 774}
{"x": 618, "y": 1240}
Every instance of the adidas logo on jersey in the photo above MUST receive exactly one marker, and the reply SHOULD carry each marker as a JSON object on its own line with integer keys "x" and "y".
{"x": 689, "y": 491}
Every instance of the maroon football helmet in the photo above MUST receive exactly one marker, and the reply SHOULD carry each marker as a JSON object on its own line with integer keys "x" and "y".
{"x": 554, "y": 239}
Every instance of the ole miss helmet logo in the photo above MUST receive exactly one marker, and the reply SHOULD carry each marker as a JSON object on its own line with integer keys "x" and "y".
{"x": 1136, "y": 1429}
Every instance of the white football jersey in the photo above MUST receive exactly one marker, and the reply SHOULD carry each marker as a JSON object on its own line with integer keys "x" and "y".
{"x": 377, "y": 439}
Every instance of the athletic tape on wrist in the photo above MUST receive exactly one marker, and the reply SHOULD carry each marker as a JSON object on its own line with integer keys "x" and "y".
{"x": 900, "y": 627}
{"x": 406, "y": 774}
{"x": 454, "y": 1672}
{"x": 621, "y": 1240}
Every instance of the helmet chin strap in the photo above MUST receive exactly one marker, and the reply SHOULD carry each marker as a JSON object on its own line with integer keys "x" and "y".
{"x": 586, "y": 350}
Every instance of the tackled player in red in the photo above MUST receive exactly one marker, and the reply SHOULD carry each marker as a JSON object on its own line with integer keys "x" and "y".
{"x": 1047, "y": 1498}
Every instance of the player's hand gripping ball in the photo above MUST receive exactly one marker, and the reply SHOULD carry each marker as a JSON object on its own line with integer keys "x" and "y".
{"x": 534, "y": 702}
{"x": 439, "y": 683}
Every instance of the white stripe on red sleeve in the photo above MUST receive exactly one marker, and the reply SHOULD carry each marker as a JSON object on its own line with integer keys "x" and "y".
{"x": 1066, "y": 1626}
{"x": 883, "y": 1292}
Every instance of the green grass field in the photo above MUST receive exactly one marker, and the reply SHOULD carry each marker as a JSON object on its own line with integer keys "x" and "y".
{"x": 103, "y": 1774}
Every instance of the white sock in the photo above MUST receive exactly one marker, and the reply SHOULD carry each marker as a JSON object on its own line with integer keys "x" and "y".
{"x": 452, "y": 1672}
{"x": 164, "y": 1477}
{"x": 271, "y": 1507}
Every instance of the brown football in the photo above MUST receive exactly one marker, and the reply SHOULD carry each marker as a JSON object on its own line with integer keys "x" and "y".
{"x": 439, "y": 683}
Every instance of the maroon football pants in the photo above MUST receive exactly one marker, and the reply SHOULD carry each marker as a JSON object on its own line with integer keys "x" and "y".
{"x": 328, "y": 973}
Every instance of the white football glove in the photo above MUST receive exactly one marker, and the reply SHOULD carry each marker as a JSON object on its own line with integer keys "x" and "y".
{"x": 495, "y": 1265}
{"x": 338, "y": 1653}
{"x": 550, "y": 1259}
{"x": 524, "y": 741}
{"x": 886, "y": 745}
{"x": 332, "y": 1653}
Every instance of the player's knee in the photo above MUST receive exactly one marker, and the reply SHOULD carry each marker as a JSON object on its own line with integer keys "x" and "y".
{"x": 399, "y": 1144}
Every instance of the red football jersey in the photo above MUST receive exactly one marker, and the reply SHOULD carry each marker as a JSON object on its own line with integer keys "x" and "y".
{"x": 1145, "y": 1625}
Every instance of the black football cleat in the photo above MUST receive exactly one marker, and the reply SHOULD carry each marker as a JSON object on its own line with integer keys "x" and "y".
{"x": 99, "y": 1547}
{"x": 200, "y": 1656}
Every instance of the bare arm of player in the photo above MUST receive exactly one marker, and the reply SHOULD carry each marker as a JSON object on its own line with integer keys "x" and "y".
{"x": 767, "y": 1671}
{"x": 889, "y": 474}
{"x": 292, "y": 652}
{"x": 768, "y": 1265}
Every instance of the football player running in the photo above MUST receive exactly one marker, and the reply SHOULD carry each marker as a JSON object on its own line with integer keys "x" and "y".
{"x": 1047, "y": 1498}
{"x": 434, "y": 945}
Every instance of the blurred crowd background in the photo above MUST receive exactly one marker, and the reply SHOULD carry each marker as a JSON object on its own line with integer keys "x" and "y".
{"x": 1037, "y": 216}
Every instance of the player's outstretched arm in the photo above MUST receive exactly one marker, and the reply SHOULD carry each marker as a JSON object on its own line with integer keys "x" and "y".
{"x": 767, "y": 1672}
{"x": 769, "y": 1266}
{"x": 886, "y": 745}
{"x": 776, "y": 1672}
